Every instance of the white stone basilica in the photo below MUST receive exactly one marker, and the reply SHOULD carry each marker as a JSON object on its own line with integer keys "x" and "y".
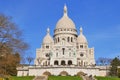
{"x": 64, "y": 52}
{"x": 65, "y": 47}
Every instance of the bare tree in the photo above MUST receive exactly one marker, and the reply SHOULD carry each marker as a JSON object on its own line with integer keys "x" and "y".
{"x": 40, "y": 59}
{"x": 10, "y": 36}
{"x": 104, "y": 61}
{"x": 29, "y": 59}
{"x": 11, "y": 45}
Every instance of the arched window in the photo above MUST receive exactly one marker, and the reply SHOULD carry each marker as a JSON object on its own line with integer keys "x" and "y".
{"x": 81, "y": 63}
{"x": 63, "y": 50}
{"x": 81, "y": 46}
{"x": 56, "y": 54}
{"x": 58, "y": 39}
{"x": 71, "y": 39}
{"x": 68, "y": 39}
{"x": 47, "y": 47}
{"x": 69, "y": 62}
{"x": 56, "y": 62}
{"x": 62, "y": 62}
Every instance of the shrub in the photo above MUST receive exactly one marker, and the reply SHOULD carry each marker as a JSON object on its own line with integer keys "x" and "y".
{"x": 119, "y": 72}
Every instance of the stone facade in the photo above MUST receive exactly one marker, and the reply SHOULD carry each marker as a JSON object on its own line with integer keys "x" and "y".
{"x": 65, "y": 47}
{"x": 65, "y": 51}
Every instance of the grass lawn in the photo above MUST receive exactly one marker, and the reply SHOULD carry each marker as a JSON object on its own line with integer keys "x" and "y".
{"x": 107, "y": 78}
{"x": 22, "y": 78}
{"x": 64, "y": 78}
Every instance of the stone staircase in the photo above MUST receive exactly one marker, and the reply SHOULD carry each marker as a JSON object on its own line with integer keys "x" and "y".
{"x": 88, "y": 78}
{"x": 40, "y": 78}
{"x": 46, "y": 78}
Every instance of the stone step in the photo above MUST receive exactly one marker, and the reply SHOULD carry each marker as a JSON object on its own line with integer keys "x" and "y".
{"x": 40, "y": 78}
{"x": 88, "y": 78}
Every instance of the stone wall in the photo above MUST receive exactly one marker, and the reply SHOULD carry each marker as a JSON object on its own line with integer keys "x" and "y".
{"x": 38, "y": 70}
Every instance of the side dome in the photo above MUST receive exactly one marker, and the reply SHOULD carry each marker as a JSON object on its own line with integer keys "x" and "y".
{"x": 81, "y": 38}
{"x": 48, "y": 38}
{"x": 65, "y": 21}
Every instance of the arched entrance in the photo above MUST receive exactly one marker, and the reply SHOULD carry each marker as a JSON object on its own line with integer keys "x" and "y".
{"x": 62, "y": 62}
{"x": 63, "y": 73}
{"x": 47, "y": 73}
{"x": 81, "y": 73}
{"x": 69, "y": 62}
{"x": 56, "y": 62}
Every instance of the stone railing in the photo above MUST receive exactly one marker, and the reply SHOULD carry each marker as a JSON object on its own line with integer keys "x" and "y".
{"x": 72, "y": 66}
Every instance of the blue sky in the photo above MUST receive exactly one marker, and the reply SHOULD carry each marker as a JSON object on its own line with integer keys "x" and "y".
{"x": 100, "y": 20}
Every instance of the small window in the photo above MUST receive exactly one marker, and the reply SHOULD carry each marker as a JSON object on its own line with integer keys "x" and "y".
{"x": 81, "y": 46}
{"x": 56, "y": 54}
{"x": 63, "y": 38}
{"x": 47, "y": 55}
{"x": 81, "y": 55}
{"x": 47, "y": 47}
{"x": 63, "y": 49}
{"x": 68, "y": 39}
{"x": 58, "y": 39}
{"x": 71, "y": 39}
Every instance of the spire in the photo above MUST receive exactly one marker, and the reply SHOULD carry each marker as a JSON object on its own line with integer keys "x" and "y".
{"x": 81, "y": 30}
{"x": 65, "y": 9}
{"x": 48, "y": 30}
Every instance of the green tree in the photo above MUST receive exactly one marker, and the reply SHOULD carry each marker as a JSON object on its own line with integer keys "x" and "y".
{"x": 11, "y": 45}
{"x": 114, "y": 66}
{"x": 119, "y": 72}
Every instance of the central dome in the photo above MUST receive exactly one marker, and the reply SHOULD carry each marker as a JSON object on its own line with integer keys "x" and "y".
{"x": 65, "y": 22}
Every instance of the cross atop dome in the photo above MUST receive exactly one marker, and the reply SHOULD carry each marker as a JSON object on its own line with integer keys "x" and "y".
{"x": 65, "y": 9}
{"x": 81, "y": 30}
{"x": 48, "y": 30}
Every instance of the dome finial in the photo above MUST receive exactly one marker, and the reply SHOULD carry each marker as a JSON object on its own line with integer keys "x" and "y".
{"x": 65, "y": 9}
{"x": 48, "y": 30}
{"x": 81, "y": 30}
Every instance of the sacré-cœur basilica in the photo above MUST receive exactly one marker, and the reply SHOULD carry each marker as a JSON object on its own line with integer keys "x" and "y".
{"x": 65, "y": 51}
